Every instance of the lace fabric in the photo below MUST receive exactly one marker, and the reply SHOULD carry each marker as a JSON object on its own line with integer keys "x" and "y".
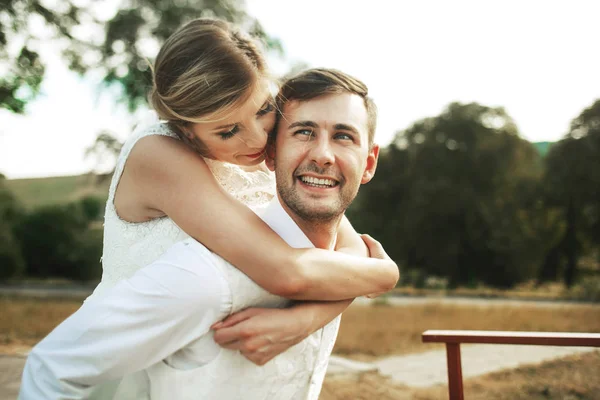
{"x": 128, "y": 246}
{"x": 296, "y": 374}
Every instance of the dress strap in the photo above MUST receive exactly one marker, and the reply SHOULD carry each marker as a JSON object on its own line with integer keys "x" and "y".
{"x": 149, "y": 125}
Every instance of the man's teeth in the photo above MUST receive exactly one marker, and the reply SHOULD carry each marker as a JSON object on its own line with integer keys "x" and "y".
{"x": 318, "y": 182}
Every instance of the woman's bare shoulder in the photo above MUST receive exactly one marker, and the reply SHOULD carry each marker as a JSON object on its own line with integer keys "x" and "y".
{"x": 157, "y": 167}
{"x": 165, "y": 154}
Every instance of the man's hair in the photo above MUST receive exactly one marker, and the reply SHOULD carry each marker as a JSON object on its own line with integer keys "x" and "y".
{"x": 317, "y": 82}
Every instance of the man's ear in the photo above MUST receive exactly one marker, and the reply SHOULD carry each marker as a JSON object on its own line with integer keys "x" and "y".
{"x": 371, "y": 164}
{"x": 270, "y": 152}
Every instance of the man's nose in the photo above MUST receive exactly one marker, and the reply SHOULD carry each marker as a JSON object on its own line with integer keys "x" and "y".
{"x": 321, "y": 152}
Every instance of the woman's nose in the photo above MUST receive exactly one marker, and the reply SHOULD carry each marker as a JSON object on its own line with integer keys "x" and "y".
{"x": 256, "y": 136}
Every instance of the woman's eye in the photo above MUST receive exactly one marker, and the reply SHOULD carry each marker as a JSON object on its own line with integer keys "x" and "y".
{"x": 267, "y": 108}
{"x": 230, "y": 133}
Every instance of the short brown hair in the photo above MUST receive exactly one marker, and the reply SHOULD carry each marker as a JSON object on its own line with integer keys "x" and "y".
{"x": 318, "y": 82}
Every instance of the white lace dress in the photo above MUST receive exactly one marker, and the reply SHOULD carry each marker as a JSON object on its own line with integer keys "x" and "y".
{"x": 296, "y": 374}
{"x": 128, "y": 246}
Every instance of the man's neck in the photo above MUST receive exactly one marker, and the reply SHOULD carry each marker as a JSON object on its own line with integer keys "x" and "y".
{"x": 323, "y": 234}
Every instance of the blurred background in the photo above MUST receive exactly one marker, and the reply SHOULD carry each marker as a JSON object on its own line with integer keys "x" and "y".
{"x": 487, "y": 193}
{"x": 489, "y": 123}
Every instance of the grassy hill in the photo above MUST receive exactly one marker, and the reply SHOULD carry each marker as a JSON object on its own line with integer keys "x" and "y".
{"x": 36, "y": 192}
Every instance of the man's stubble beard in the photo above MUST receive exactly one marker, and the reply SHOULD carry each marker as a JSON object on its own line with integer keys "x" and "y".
{"x": 289, "y": 196}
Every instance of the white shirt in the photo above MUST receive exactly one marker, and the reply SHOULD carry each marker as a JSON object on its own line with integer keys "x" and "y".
{"x": 163, "y": 312}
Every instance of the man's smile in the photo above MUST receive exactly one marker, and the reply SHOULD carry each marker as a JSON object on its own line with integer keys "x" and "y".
{"x": 318, "y": 182}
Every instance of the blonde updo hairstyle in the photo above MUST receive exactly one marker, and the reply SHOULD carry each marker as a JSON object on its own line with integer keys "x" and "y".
{"x": 203, "y": 72}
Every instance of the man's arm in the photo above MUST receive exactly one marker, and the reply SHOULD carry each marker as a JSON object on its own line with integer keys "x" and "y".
{"x": 141, "y": 321}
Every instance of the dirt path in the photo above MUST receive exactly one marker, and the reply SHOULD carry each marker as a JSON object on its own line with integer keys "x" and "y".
{"x": 429, "y": 368}
{"x": 10, "y": 376}
{"x": 416, "y": 370}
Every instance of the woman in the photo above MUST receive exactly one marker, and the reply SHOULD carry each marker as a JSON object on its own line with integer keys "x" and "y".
{"x": 195, "y": 174}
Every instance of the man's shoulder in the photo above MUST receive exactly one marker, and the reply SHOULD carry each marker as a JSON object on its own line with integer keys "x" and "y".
{"x": 198, "y": 262}
{"x": 190, "y": 254}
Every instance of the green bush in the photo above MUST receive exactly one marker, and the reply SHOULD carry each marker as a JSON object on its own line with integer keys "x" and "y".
{"x": 92, "y": 207}
{"x": 11, "y": 259}
{"x": 56, "y": 241}
{"x": 587, "y": 289}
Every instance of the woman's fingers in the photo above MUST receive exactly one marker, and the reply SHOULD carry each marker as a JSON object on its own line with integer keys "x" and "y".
{"x": 234, "y": 319}
{"x": 260, "y": 334}
{"x": 231, "y": 334}
{"x": 375, "y": 248}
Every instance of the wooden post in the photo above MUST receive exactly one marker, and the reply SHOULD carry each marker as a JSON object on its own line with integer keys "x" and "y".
{"x": 453, "y": 339}
{"x": 455, "y": 386}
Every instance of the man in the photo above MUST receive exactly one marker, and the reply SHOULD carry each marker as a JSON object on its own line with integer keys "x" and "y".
{"x": 159, "y": 321}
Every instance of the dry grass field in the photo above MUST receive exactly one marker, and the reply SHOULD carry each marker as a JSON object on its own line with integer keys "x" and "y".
{"x": 374, "y": 331}
{"x": 24, "y": 321}
{"x": 368, "y": 331}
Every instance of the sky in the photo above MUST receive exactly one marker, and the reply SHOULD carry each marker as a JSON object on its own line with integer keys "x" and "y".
{"x": 537, "y": 59}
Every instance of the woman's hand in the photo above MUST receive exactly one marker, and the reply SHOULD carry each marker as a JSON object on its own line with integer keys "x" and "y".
{"x": 375, "y": 251}
{"x": 262, "y": 333}
{"x": 375, "y": 248}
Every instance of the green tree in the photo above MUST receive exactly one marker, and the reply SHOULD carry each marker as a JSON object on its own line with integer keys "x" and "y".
{"x": 58, "y": 241}
{"x": 453, "y": 196}
{"x": 11, "y": 259}
{"x": 572, "y": 179}
{"x": 92, "y": 207}
{"x": 117, "y": 46}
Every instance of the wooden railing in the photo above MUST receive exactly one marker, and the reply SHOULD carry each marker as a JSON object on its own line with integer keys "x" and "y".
{"x": 453, "y": 339}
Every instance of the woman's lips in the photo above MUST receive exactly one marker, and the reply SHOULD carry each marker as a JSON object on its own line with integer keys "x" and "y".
{"x": 256, "y": 155}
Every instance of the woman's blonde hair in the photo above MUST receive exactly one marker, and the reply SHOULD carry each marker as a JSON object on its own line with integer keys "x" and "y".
{"x": 202, "y": 72}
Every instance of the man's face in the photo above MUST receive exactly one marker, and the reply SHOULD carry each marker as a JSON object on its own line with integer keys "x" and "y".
{"x": 322, "y": 155}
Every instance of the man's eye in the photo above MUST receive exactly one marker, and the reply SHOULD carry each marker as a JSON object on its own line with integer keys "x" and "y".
{"x": 267, "y": 108}
{"x": 343, "y": 136}
{"x": 304, "y": 132}
{"x": 230, "y": 133}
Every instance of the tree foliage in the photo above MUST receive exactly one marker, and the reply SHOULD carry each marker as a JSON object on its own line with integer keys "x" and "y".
{"x": 118, "y": 46}
{"x": 11, "y": 259}
{"x": 572, "y": 183}
{"x": 453, "y": 196}
{"x": 58, "y": 241}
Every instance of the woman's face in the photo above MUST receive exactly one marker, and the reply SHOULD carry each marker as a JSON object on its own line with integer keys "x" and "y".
{"x": 241, "y": 137}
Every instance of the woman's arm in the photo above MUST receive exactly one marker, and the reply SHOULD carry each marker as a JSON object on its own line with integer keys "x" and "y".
{"x": 350, "y": 242}
{"x": 164, "y": 176}
{"x": 263, "y": 333}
